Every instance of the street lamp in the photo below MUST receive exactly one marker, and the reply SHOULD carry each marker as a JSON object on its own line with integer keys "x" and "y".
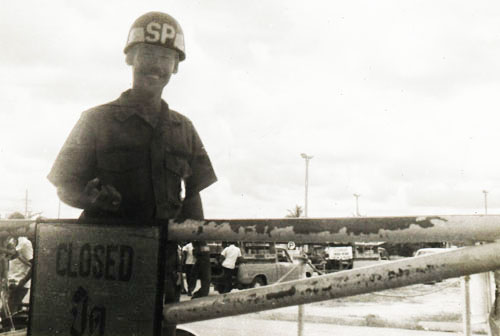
{"x": 307, "y": 158}
{"x": 485, "y": 192}
{"x": 357, "y": 205}
{"x": 300, "y": 327}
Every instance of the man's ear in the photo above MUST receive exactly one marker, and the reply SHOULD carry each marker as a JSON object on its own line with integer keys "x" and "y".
{"x": 176, "y": 67}
{"x": 129, "y": 57}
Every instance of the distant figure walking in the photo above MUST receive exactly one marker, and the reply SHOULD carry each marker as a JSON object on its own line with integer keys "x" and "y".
{"x": 231, "y": 256}
{"x": 202, "y": 269}
{"x": 189, "y": 260}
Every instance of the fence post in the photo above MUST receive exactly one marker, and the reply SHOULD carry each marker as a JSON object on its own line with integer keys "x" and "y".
{"x": 301, "y": 313}
{"x": 466, "y": 311}
{"x": 480, "y": 290}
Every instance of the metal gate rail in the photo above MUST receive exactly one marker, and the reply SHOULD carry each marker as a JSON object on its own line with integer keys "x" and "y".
{"x": 454, "y": 228}
{"x": 463, "y": 261}
{"x": 414, "y": 229}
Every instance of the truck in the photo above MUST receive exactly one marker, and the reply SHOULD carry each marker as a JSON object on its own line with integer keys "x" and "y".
{"x": 261, "y": 264}
{"x": 331, "y": 257}
{"x": 339, "y": 258}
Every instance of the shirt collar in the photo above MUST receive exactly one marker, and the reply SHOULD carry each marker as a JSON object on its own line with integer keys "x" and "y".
{"x": 127, "y": 107}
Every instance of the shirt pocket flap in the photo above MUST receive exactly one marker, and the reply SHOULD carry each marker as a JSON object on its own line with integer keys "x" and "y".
{"x": 178, "y": 165}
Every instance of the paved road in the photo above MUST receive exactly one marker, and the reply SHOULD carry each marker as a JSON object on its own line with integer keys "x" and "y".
{"x": 247, "y": 326}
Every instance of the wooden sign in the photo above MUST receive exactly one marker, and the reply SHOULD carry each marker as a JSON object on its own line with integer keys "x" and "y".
{"x": 96, "y": 280}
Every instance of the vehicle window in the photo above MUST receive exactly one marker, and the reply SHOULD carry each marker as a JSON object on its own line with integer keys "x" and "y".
{"x": 282, "y": 256}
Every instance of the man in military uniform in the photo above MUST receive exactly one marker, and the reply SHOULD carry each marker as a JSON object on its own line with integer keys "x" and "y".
{"x": 135, "y": 158}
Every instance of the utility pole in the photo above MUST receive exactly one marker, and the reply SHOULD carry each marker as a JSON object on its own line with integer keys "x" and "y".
{"x": 307, "y": 158}
{"x": 301, "y": 313}
{"x": 357, "y": 205}
{"x": 26, "y": 204}
{"x": 485, "y": 192}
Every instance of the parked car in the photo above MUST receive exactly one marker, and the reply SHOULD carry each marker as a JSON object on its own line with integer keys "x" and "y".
{"x": 430, "y": 250}
{"x": 263, "y": 268}
{"x": 331, "y": 257}
{"x": 338, "y": 258}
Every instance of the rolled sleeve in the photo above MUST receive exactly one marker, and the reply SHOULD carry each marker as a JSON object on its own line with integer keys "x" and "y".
{"x": 203, "y": 174}
{"x": 76, "y": 162}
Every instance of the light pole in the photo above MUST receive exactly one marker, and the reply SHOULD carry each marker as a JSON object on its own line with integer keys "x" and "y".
{"x": 307, "y": 158}
{"x": 357, "y": 205}
{"x": 300, "y": 326}
{"x": 485, "y": 192}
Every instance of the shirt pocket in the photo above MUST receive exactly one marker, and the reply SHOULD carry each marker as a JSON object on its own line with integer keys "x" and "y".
{"x": 120, "y": 161}
{"x": 177, "y": 165}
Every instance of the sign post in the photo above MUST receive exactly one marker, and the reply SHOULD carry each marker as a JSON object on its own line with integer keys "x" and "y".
{"x": 97, "y": 280}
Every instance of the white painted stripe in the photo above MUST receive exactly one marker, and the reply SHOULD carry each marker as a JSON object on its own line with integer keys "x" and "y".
{"x": 179, "y": 41}
{"x": 136, "y": 35}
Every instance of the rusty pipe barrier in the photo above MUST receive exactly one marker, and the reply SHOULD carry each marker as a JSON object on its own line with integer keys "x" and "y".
{"x": 17, "y": 227}
{"x": 409, "y": 271}
{"x": 454, "y": 228}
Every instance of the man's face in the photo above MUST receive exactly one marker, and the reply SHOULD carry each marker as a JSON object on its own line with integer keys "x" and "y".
{"x": 152, "y": 66}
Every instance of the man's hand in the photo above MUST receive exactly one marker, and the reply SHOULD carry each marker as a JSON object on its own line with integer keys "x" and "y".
{"x": 103, "y": 197}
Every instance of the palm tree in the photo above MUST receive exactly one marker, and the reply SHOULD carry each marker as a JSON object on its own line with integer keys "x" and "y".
{"x": 295, "y": 212}
{"x": 16, "y": 215}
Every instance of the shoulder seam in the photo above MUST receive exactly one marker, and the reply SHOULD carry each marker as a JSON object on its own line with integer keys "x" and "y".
{"x": 176, "y": 116}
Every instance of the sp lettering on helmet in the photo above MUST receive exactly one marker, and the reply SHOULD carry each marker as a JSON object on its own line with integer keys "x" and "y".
{"x": 158, "y": 29}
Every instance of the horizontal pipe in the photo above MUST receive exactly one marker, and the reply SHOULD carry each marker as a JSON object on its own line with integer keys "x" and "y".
{"x": 455, "y": 228}
{"x": 409, "y": 271}
{"x": 463, "y": 229}
{"x": 17, "y": 228}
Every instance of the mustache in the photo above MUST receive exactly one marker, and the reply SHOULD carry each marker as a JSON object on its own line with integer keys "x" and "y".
{"x": 152, "y": 71}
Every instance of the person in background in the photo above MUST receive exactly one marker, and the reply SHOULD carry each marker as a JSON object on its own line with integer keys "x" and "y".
{"x": 202, "y": 268}
{"x": 19, "y": 276}
{"x": 20, "y": 273}
{"x": 180, "y": 281}
{"x": 188, "y": 261}
{"x": 231, "y": 256}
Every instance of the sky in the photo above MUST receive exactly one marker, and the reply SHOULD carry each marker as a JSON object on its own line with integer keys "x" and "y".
{"x": 396, "y": 101}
